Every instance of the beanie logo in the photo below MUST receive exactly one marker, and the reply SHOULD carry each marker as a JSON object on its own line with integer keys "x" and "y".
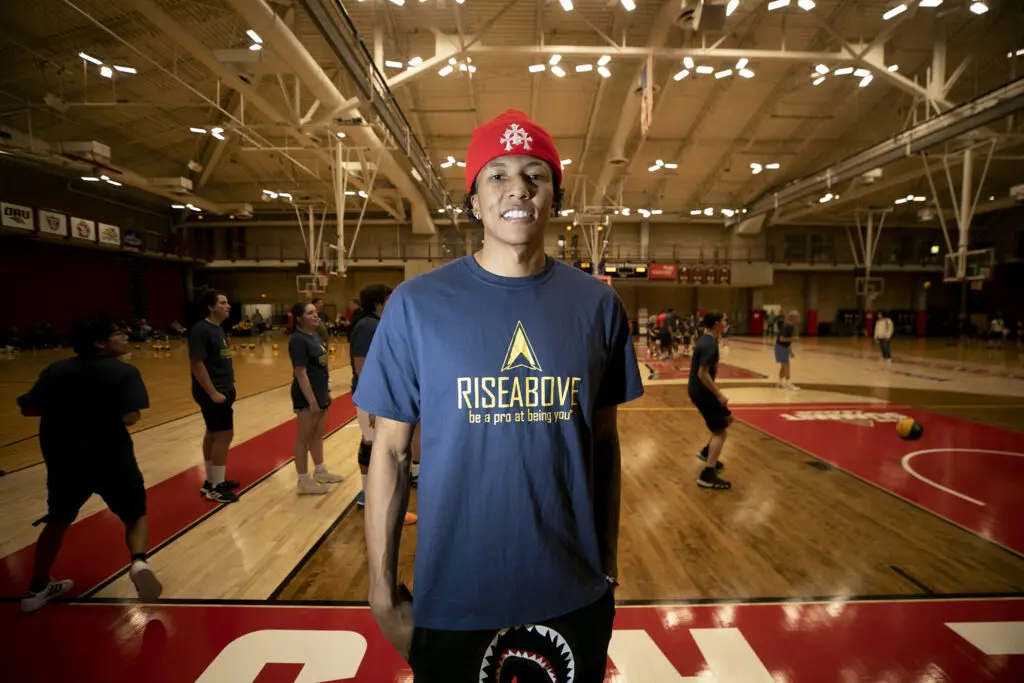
{"x": 515, "y": 136}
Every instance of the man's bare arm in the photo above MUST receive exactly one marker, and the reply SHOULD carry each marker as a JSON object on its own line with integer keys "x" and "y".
{"x": 387, "y": 498}
{"x": 607, "y": 487}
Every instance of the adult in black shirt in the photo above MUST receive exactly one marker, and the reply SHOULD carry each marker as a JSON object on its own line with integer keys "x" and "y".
{"x": 213, "y": 388}
{"x": 86, "y": 404}
{"x": 311, "y": 396}
{"x": 711, "y": 402}
{"x": 784, "y": 351}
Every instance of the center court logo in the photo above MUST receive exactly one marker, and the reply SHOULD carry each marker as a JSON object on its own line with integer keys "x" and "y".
{"x": 523, "y": 392}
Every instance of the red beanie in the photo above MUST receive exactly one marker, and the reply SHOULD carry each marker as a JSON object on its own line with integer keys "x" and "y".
{"x": 510, "y": 133}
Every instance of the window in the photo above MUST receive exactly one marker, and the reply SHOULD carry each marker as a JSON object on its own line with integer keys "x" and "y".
{"x": 794, "y": 247}
{"x": 823, "y": 248}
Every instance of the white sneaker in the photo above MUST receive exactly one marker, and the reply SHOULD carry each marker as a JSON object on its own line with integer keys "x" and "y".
{"x": 325, "y": 477}
{"x": 888, "y": 360}
{"x": 792, "y": 387}
{"x": 146, "y": 583}
{"x": 309, "y": 487}
{"x": 30, "y": 602}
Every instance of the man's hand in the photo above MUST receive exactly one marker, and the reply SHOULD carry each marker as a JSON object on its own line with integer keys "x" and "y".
{"x": 314, "y": 407}
{"x": 396, "y": 622}
{"x": 218, "y": 397}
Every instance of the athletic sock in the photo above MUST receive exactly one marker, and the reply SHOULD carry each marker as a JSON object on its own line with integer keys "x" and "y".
{"x": 320, "y": 468}
{"x": 209, "y": 467}
{"x": 217, "y": 474}
{"x": 415, "y": 469}
{"x": 304, "y": 476}
{"x": 364, "y": 483}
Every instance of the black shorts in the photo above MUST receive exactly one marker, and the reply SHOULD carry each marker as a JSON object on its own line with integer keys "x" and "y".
{"x": 665, "y": 340}
{"x": 121, "y": 488}
{"x": 716, "y": 416}
{"x": 219, "y": 417}
{"x": 364, "y": 453}
{"x": 460, "y": 656}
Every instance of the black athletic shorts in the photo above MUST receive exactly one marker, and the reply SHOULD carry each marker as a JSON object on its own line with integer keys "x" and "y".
{"x": 121, "y": 488}
{"x": 665, "y": 339}
{"x": 219, "y": 417}
{"x": 580, "y": 638}
{"x": 364, "y": 454}
{"x": 716, "y": 416}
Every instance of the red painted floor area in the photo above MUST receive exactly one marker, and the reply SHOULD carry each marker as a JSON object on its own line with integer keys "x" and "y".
{"x": 94, "y": 547}
{"x": 679, "y": 368}
{"x": 968, "y": 473}
{"x": 968, "y": 641}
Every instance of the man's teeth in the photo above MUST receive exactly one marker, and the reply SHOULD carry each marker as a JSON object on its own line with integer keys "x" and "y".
{"x": 517, "y": 214}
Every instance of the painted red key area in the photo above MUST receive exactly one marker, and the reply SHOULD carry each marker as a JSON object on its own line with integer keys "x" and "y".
{"x": 679, "y": 368}
{"x": 794, "y": 642}
{"x": 94, "y": 546}
{"x": 968, "y": 484}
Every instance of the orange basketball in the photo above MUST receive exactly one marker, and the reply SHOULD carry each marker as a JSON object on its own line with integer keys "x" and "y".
{"x": 910, "y": 429}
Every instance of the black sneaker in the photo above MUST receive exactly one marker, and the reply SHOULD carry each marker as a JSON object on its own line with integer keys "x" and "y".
{"x": 228, "y": 484}
{"x": 703, "y": 455}
{"x": 221, "y": 494}
{"x": 709, "y": 479}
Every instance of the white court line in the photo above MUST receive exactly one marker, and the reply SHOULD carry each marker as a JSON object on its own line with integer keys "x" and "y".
{"x": 910, "y": 470}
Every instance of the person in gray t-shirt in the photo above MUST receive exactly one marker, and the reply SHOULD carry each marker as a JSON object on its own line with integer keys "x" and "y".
{"x": 311, "y": 396}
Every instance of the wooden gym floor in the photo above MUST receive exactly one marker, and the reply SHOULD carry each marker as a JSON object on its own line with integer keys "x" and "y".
{"x": 793, "y": 527}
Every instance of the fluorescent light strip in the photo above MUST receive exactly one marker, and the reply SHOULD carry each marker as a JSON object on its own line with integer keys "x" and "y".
{"x": 255, "y": 36}
{"x": 125, "y": 69}
{"x": 822, "y": 69}
{"x": 846, "y": 70}
{"x": 392, "y": 64}
{"x": 415, "y": 61}
{"x": 580, "y": 68}
{"x": 446, "y": 70}
{"x": 861, "y": 73}
{"x": 628, "y": 5}
{"x": 723, "y": 74}
{"x": 681, "y": 75}
{"x": 978, "y": 7}
{"x": 806, "y": 5}
{"x": 106, "y": 72}
{"x": 893, "y": 68}
{"x": 255, "y": 47}
{"x": 604, "y": 60}
{"x": 535, "y": 68}
{"x": 866, "y": 80}
{"x": 555, "y": 59}
{"x": 746, "y": 73}
{"x": 558, "y": 71}
{"x": 705, "y": 69}
{"x": 742, "y": 63}
{"x": 930, "y": 3}
{"x": 90, "y": 59}
{"x": 201, "y": 131}
{"x": 894, "y": 12}
{"x": 777, "y": 4}
{"x": 566, "y": 5}
{"x": 731, "y": 7}
{"x": 818, "y": 81}
{"x": 688, "y": 62}
{"x": 603, "y": 70}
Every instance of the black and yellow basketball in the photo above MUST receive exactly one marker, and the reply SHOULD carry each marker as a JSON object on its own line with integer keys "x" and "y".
{"x": 910, "y": 429}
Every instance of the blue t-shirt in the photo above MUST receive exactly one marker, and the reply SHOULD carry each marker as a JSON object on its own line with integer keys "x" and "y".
{"x": 504, "y": 376}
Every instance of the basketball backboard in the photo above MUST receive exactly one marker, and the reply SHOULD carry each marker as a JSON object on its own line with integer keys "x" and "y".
{"x": 970, "y": 266}
{"x": 308, "y": 285}
{"x": 870, "y": 286}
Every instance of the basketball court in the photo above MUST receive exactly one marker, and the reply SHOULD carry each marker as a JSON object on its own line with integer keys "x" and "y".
{"x": 834, "y": 158}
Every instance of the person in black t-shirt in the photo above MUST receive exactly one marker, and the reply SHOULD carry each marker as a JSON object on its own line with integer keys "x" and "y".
{"x": 213, "y": 388}
{"x": 311, "y": 396}
{"x": 87, "y": 404}
{"x": 711, "y": 402}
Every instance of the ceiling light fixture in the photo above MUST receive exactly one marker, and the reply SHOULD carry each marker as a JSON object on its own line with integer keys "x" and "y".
{"x": 177, "y": 206}
{"x": 90, "y": 59}
{"x": 688, "y": 62}
{"x": 391, "y": 64}
{"x": 362, "y": 194}
{"x": 822, "y": 69}
{"x": 742, "y": 63}
{"x": 656, "y": 212}
{"x": 818, "y": 81}
{"x": 705, "y": 69}
{"x": 106, "y": 72}
{"x": 566, "y": 5}
{"x": 893, "y": 68}
{"x": 580, "y": 68}
{"x": 400, "y": 3}
{"x": 270, "y": 193}
{"x": 894, "y": 12}
{"x": 446, "y": 70}
{"x": 861, "y": 73}
{"x": 555, "y": 59}
{"x": 805, "y": 5}
{"x": 254, "y": 36}
{"x": 341, "y": 136}
{"x": 709, "y": 211}
{"x": 113, "y": 182}
{"x": 625, "y": 211}
{"x": 695, "y": 212}
{"x": 756, "y": 168}
{"x": 415, "y": 61}
{"x": 90, "y": 179}
{"x": 827, "y": 198}
{"x": 558, "y": 71}
{"x": 603, "y": 70}
{"x": 844, "y": 71}
{"x": 723, "y": 74}
{"x": 604, "y": 60}
{"x": 681, "y": 75}
{"x": 125, "y": 69}
{"x": 777, "y": 4}
{"x": 774, "y": 166}
{"x": 728, "y": 213}
{"x": 930, "y": 3}
{"x": 866, "y": 80}
{"x": 731, "y": 7}
{"x": 255, "y": 47}
{"x": 628, "y": 5}
{"x": 217, "y": 133}
{"x": 201, "y": 131}
{"x": 978, "y": 7}
{"x": 565, "y": 162}
{"x": 746, "y": 73}
{"x": 534, "y": 68}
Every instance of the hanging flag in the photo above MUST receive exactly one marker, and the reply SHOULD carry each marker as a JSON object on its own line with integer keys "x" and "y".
{"x": 646, "y": 95}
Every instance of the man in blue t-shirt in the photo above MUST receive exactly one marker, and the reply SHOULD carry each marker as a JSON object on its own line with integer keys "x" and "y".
{"x": 513, "y": 364}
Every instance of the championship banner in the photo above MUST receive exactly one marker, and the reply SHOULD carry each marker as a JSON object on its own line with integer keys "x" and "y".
{"x": 17, "y": 216}
{"x": 132, "y": 239}
{"x": 711, "y": 275}
{"x": 662, "y": 271}
{"x": 82, "y": 229}
{"x": 646, "y": 95}
{"x": 725, "y": 275}
{"x": 698, "y": 274}
{"x": 686, "y": 274}
{"x": 110, "y": 234}
{"x": 53, "y": 223}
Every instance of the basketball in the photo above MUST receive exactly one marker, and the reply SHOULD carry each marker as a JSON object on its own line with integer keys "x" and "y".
{"x": 910, "y": 429}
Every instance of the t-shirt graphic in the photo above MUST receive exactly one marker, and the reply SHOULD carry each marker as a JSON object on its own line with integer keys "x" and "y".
{"x": 504, "y": 376}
